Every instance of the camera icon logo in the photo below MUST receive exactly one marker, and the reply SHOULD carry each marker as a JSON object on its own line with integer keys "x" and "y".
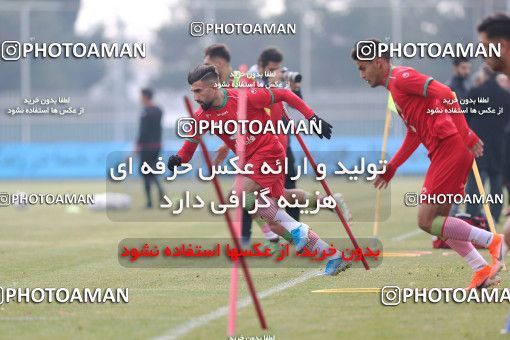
{"x": 411, "y": 199}
{"x": 197, "y": 29}
{"x": 186, "y": 127}
{"x": 390, "y": 295}
{"x": 5, "y": 199}
{"x": 11, "y": 50}
{"x": 366, "y": 50}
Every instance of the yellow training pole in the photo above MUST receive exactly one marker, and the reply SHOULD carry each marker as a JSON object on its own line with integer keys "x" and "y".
{"x": 383, "y": 154}
{"x": 482, "y": 192}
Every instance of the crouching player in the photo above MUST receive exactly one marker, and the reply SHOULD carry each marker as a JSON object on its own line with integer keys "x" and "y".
{"x": 451, "y": 147}
{"x": 220, "y": 105}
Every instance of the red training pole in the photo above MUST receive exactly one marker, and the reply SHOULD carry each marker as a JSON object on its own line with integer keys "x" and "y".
{"x": 230, "y": 225}
{"x": 238, "y": 185}
{"x": 326, "y": 188}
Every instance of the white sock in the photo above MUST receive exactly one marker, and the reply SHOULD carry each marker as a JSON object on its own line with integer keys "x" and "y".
{"x": 480, "y": 237}
{"x": 286, "y": 220}
{"x": 475, "y": 260}
{"x": 274, "y": 214}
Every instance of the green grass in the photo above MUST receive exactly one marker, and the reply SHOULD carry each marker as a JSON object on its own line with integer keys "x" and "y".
{"x": 49, "y": 247}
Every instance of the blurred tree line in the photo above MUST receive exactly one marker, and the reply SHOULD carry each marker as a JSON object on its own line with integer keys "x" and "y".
{"x": 49, "y": 26}
{"x": 332, "y": 28}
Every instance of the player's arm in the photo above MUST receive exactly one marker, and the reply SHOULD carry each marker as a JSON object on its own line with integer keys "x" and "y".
{"x": 409, "y": 145}
{"x": 187, "y": 150}
{"x": 184, "y": 155}
{"x": 221, "y": 154}
{"x": 261, "y": 98}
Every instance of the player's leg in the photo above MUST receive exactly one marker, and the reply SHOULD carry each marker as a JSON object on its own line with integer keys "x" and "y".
{"x": 496, "y": 183}
{"x": 457, "y": 229}
{"x": 434, "y": 219}
{"x": 300, "y": 233}
{"x": 472, "y": 189}
{"x": 279, "y": 230}
{"x": 289, "y": 182}
{"x": 274, "y": 182}
{"x": 246, "y": 227}
{"x": 506, "y": 244}
{"x": 161, "y": 192}
{"x": 335, "y": 263}
{"x": 314, "y": 199}
{"x": 145, "y": 156}
{"x": 159, "y": 186}
{"x": 155, "y": 158}
{"x": 249, "y": 186}
{"x": 460, "y": 236}
{"x": 274, "y": 214}
{"x": 301, "y": 236}
{"x": 447, "y": 174}
{"x": 147, "y": 188}
{"x": 272, "y": 238}
{"x": 464, "y": 248}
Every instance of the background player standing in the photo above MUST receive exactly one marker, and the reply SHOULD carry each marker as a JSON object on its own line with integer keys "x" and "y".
{"x": 148, "y": 144}
{"x": 495, "y": 29}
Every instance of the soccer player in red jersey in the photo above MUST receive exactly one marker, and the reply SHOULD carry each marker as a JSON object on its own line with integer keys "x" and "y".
{"x": 451, "y": 147}
{"x": 219, "y": 105}
{"x": 218, "y": 55}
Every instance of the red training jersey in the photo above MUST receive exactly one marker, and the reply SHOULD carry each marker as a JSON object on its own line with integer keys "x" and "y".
{"x": 257, "y": 100}
{"x": 414, "y": 95}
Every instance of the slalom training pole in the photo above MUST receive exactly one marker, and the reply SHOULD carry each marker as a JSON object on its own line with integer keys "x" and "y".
{"x": 219, "y": 193}
{"x": 328, "y": 192}
{"x": 482, "y": 193}
{"x": 383, "y": 156}
{"x": 238, "y": 185}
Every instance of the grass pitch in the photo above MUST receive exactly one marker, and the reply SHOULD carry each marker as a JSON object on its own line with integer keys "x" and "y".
{"x": 50, "y": 246}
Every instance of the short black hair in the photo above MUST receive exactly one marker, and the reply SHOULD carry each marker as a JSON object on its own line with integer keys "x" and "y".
{"x": 218, "y": 51}
{"x": 270, "y": 54}
{"x": 358, "y": 49}
{"x": 458, "y": 60}
{"x": 496, "y": 26}
{"x": 147, "y": 93}
{"x": 203, "y": 72}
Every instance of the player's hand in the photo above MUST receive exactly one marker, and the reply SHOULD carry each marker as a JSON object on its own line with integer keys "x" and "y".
{"x": 325, "y": 126}
{"x": 221, "y": 154}
{"x": 174, "y": 161}
{"x": 380, "y": 182}
{"x": 477, "y": 149}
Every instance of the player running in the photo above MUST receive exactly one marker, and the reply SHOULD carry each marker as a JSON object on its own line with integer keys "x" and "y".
{"x": 451, "y": 147}
{"x": 218, "y": 55}
{"x": 219, "y": 105}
